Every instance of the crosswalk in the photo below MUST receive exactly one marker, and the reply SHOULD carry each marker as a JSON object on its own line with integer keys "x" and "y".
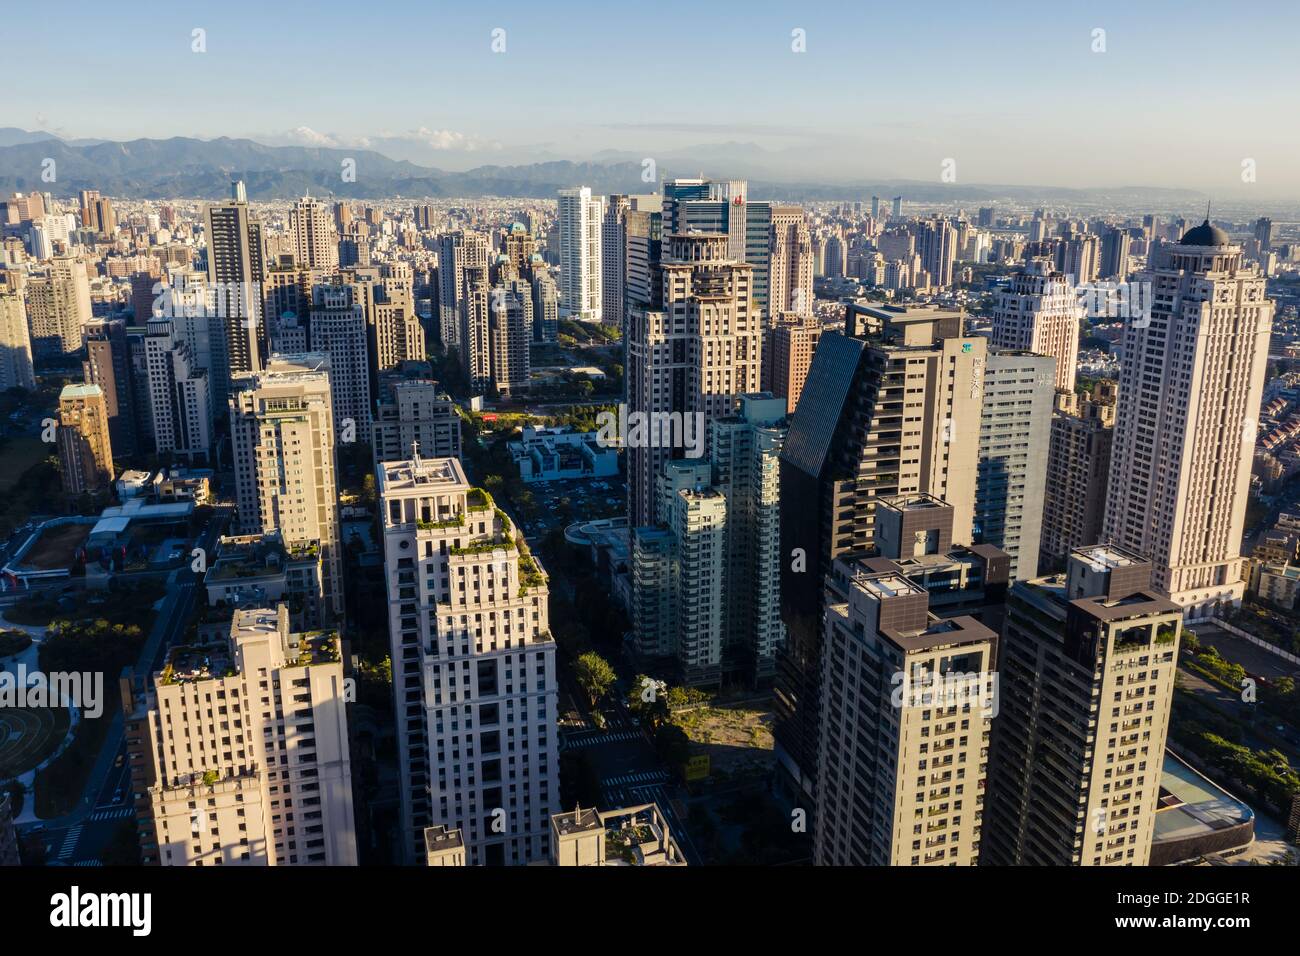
{"x": 115, "y": 813}
{"x": 88, "y": 863}
{"x": 644, "y": 777}
{"x": 70, "y": 842}
{"x": 591, "y": 738}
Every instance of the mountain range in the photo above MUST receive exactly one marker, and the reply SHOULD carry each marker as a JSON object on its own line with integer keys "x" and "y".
{"x": 203, "y": 169}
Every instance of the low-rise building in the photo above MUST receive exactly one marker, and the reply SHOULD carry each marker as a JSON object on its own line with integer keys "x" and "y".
{"x": 631, "y": 836}
{"x": 551, "y": 454}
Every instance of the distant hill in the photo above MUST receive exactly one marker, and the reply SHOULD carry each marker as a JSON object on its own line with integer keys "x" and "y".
{"x": 186, "y": 167}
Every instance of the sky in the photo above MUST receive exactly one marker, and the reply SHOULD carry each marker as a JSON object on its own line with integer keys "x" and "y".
{"x": 1177, "y": 93}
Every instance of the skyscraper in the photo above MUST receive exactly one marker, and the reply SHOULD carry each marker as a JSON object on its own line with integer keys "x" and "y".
{"x": 85, "y": 449}
{"x": 338, "y": 329}
{"x": 613, "y": 260}
{"x": 1015, "y": 434}
{"x": 1086, "y": 667}
{"x": 282, "y": 429}
{"x": 108, "y": 365}
{"x": 790, "y": 270}
{"x": 906, "y": 708}
{"x": 1040, "y": 312}
{"x": 179, "y": 397}
{"x": 243, "y": 775}
{"x": 1189, "y": 395}
{"x": 580, "y": 216}
{"x": 15, "y": 343}
{"x": 721, "y": 206}
{"x": 236, "y": 268}
{"x": 891, "y": 407}
{"x": 1078, "y": 467}
{"x": 692, "y": 356}
{"x": 456, "y": 252}
{"x": 311, "y": 223}
{"x": 473, "y": 667}
{"x": 58, "y": 307}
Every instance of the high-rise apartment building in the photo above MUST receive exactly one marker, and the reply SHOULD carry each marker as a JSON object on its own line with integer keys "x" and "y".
{"x": 1115, "y": 244}
{"x": 906, "y": 709}
{"x": 613, "y": 260}
{"x": 282, "y": 430}
{"x": 15, "y": 343}
{"x": 701, "y": 205}
{"x": 1015, "y": 435}
{"x": 1078, "y": 467}
{"x": 510, "y": 320}
{"x": 58, "y": 307}
{"x": 579, "y": 222}
{"x": 690, "y": 357}
{"x": 1191, "y": 383}
{"x": 248, "y": 749}
{"x": 315, "y": 242}
{"x": 892, "y": 407}
{"x": 679, "y": 571}
{"x": 473, "y": 667}
{"x": 338, "y": 329}
{"x": 457, "y": 251}
{"x": 236, "y": 269}
{"x": 1040, "y": 312}
{"x": 416, "y": 413}
{"x": 85, "y": 449}
{"x": 179, "y": 397}
{"x": 108, "y": 365}
{"x": 788, "y": 353}
{"x": 790, "y": 269}
{"x": 1086, "y": 664}
{"x": 936, "y": 244}
{"x": 745, "y": 455}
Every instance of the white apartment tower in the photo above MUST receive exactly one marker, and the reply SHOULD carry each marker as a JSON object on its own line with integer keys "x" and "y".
{"x": 580, "y": 215}
{"x": 1040, "y": 312}
{"x": 1189, "y": 397}
{"x": 473, "y": 667}
{"x": 282, "y": 430}
{"x": 179, "y": 398}
{"x": 249, "y": 749}
{"x": 338, "y": 329}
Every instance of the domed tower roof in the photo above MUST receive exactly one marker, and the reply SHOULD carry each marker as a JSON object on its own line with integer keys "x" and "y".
{"x": 1205, "y": 235}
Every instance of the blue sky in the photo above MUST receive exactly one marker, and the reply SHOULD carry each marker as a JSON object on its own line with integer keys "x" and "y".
{"x": 1012, "y": 91}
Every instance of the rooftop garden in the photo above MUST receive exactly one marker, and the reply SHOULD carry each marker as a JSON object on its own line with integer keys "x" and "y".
{"x": 317, "y": 647}
{"x": 483, "y": 545}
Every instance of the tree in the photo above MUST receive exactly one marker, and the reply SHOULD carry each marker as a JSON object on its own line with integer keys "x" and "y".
{"x": 648, "y": 701}
{"x": 1190, "y": 641}
{"x": 594, "y": 675}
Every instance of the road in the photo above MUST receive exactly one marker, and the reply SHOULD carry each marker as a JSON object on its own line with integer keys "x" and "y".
{"x": 78, "y": 838}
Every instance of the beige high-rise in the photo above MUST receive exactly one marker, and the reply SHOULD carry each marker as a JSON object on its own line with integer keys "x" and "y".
{"x": 85, "y": 450}
{"x": 474, "y": 674}
{"x": 695, "y": 354}
{"x": 15, "y": 343}
{"x": 790, "y": 273}
{"x": 1040, "y": 313}
{"x": 282, "y": 429}
{"x": 316, "y": 244}
{"x": 250, "y": 763}
{"x": 1086, "y": 665}
{"x": 58, "y": 306}
{"x": 1189, "y": 398}
{"x": 906, "y": 706}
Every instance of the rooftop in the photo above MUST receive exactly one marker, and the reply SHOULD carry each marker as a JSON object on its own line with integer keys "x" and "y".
{"x": 420, "y": 472}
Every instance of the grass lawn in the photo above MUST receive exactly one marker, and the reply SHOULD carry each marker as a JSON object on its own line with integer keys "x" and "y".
{"x": 17, "y": 454}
